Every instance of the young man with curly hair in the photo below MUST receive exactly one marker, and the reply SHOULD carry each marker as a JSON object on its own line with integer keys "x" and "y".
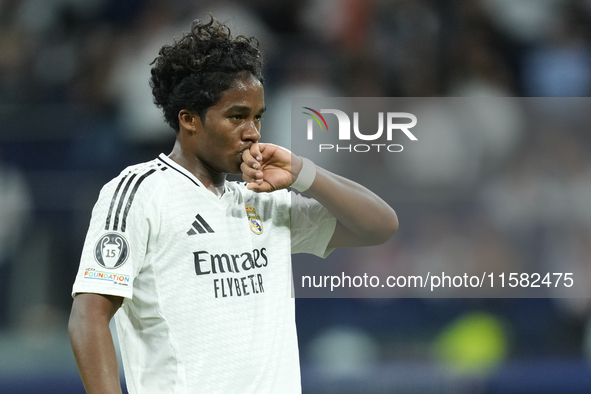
{"x": 196, "y": 269}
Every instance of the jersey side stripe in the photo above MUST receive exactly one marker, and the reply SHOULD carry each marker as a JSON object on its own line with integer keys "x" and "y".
{"x": 108, "y": 221}
{"x": 121, "y": 199}
{"x": 131, "y": 197}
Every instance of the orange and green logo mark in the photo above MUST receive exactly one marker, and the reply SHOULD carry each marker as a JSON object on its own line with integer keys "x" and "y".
{"x": 316, "y": 118}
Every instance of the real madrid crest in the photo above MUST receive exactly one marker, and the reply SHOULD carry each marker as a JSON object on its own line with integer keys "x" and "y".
{"x": 111, "y": 250}
{"x": 256, "y": 224}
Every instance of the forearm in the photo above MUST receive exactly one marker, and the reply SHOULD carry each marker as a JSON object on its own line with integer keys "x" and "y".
{"x": 367, "y": 218}
{"x": 94, "y": 351}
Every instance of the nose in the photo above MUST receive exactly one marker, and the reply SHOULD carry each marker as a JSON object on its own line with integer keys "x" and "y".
{"x": 252, "y": 133}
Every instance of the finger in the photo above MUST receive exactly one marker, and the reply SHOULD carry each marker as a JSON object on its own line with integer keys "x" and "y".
{"x": 250, "y": 174}
{"x": 247, "y": 178}
{"x": 249, "y": 160}
{"x": 249, "y": 165}
{"x": 252, "y": 184}
{"x": 255, "y": 151}
{"x": 259, "y": 186}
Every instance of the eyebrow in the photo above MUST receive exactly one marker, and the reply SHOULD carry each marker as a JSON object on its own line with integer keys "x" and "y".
{"x": 243, "y": 108}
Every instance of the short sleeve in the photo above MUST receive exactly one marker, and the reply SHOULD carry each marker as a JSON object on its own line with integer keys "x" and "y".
{"x": 312, "y": 226}
{"x": 117, "y": 239}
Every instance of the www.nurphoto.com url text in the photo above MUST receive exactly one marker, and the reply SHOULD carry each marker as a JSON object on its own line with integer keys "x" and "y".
{"x": 436, "y": 281}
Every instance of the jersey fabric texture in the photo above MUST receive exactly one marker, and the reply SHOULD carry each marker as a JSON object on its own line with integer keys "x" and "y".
{"x": 206, "y": 280}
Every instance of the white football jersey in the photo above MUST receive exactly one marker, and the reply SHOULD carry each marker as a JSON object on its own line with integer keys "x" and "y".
{"x": 206, "y": 280}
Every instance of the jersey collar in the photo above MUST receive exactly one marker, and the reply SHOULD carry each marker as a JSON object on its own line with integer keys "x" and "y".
{"x": 177, "y": 167}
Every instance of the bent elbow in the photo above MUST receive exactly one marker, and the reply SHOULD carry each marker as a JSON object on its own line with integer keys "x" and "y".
{"x": 394, "y": 224}
{"x": 388, "y": 226}
{"x": 391, "y": 228}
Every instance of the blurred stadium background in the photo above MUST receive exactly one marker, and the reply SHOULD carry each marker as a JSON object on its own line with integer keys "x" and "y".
{"x": 75, "y": 108}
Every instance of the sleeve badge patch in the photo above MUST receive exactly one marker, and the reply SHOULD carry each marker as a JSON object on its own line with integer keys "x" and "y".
{"x": 256, "y": 224}
{"x": 111, "y": 251}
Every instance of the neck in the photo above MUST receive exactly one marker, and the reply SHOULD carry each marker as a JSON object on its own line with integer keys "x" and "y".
{"x": 212, "y": 180}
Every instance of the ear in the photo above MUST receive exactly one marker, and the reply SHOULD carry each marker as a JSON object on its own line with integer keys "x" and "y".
{"x": 189, "y": 120}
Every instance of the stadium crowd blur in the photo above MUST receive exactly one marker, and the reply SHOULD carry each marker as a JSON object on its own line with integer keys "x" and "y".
{"x": 76, "y": 108}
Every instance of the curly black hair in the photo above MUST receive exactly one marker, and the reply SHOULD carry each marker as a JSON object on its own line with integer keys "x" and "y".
{"x": 194, "y": 71}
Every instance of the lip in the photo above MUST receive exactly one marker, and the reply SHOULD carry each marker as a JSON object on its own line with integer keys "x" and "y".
{"x": 241, "y": 153}
{"x": 244, "y": 148}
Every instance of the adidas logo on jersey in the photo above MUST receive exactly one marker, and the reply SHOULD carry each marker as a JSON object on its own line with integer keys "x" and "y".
{"x": 199, "y": 226}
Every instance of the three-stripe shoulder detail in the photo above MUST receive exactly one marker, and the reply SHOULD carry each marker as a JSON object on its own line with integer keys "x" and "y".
{"x": 123, "y": 197}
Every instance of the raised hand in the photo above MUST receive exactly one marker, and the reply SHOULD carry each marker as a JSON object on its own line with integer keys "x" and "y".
{"x": 267, "y": 167}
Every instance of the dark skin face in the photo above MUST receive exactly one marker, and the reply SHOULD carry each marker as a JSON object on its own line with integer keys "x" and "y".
{"x": 213, "y": 148}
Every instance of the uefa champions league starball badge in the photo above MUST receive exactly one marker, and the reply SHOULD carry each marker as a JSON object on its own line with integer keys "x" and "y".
{"x": 256, "y": 224}
{"x": 111, "y": 251}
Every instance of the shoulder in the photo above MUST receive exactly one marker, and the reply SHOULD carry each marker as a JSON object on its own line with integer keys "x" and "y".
{"x": 134, "y": 185}
{"x": 132, "y": 195}
{"x": 133, "y": 177}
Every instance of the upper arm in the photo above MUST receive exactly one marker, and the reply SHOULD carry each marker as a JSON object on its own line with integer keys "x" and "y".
{"x": 342, "y": 237}
{"x": 91, "y": 308}
{"x": 363, "y": 218}
{"x": 92, "y": 341}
